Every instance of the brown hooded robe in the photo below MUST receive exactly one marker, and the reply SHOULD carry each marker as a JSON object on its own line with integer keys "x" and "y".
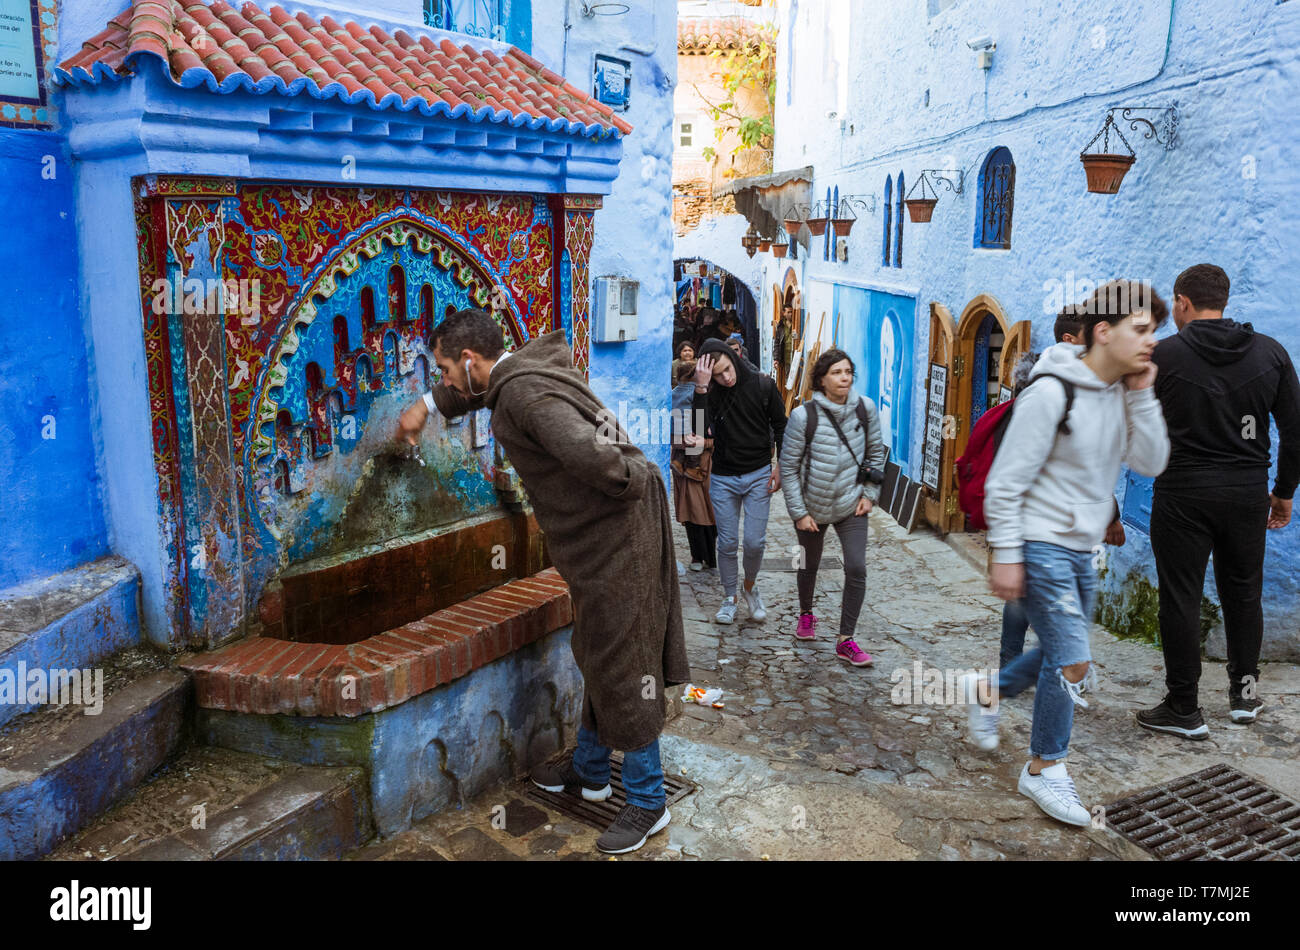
{"x": 604, "y": 509}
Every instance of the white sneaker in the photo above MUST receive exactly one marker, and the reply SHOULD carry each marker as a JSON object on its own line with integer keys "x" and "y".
{"x": 982, "y": 720}
{"x": 697, "y": 565}
{"x": 681, "y": 569}
{"x": 1053, "y": 791}
{"x": 754, "y": 602}
{"x": 727, "y": 612}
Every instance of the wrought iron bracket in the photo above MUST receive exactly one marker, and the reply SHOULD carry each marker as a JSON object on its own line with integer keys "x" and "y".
{"x": 864, "y": 203}
{"x": 1163, "y": 127}
{"x": 947, "y": 176}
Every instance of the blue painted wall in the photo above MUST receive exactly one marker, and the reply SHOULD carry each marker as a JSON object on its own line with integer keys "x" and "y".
{"x": 912, "y": 95}
{"x": 53, "y": 517}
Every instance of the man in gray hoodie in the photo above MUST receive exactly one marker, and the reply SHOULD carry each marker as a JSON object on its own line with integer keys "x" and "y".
{"x": 1045, "y": 550}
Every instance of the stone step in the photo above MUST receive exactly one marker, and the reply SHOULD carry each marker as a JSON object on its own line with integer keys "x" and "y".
{"x": 215, "y": 804}
{"x": 67, "y": 621}
{"x": 63, "y": 765}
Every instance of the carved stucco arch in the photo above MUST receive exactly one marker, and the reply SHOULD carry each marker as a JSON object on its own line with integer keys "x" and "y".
{"x": 450, "y": 254}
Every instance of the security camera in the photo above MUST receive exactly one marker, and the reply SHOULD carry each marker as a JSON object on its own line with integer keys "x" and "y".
{"x": 982, "y": 43}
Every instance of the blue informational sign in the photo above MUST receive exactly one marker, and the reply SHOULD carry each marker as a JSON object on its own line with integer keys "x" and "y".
{"x": 878, "y": 331}
{"x": 20, "y": 65}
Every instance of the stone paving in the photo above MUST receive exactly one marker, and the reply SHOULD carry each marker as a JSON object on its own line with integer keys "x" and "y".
{"x": 811, "y": 758}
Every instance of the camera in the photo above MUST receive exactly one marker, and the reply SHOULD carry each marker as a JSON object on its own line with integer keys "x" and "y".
{"x": 868, "y": 474}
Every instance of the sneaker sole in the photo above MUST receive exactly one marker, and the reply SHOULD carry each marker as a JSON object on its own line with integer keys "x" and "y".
{"x": 599, "y": 795}
{"x": 659, "y": 826}
{"x": 1197, "y": 734}
{"x": 851, "y": 663}
{"x": 725, "y": 623}
{"x": 1065, "y": 821}
{"x": 813, "y": 637}
{"x": 1245, "y": 715}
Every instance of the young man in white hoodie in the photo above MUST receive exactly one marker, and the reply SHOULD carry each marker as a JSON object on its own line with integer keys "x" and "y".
{"x": 1043, "y": 548}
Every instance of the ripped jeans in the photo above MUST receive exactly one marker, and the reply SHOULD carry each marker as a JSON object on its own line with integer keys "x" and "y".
{"x": 1060, "y": 591}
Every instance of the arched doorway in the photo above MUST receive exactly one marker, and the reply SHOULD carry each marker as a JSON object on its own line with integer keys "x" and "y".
{"x": 988, "y": 345}
{"x": 711, "y": 303}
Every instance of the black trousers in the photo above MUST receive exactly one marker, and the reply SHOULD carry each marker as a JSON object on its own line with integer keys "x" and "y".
{"x": 1186, "y": 527}
{"x": 703, "y": 539}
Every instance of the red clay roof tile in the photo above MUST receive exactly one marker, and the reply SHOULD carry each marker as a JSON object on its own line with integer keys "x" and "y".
{"x": 251, "y": 47}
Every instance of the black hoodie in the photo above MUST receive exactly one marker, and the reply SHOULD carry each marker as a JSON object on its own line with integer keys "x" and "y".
{"x": 1218, "y": 382}
{"x": 748, "y": 419}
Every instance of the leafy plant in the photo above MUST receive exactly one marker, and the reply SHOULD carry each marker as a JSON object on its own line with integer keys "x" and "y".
{"x": 751, "y": 65}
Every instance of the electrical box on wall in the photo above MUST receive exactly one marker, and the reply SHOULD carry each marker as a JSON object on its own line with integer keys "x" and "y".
{"x": 614, "y": 316}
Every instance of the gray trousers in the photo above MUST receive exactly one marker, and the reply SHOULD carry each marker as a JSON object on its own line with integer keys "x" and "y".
{"x": 729, "y": 494}
{"x": 853, "y": 540}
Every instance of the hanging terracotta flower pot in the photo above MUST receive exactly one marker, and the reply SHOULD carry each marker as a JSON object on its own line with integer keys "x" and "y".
{"x": 1105, "y": 172}
{"x": 778, "y": 250}
{"x": 1106, "y": 169}
{"x": 817, "y": 226}
{"x": 764, "y": 246}
{"x": 792, "y": 225}
{"x": 919, "y": 210}
{"x": 842, "y": 226}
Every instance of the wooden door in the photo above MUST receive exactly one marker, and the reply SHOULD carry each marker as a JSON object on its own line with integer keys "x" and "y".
{"x": 940, "y": 506}
{"x": 1014, "y": 346}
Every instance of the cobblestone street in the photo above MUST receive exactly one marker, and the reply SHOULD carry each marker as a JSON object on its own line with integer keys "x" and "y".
{"x": 810, "y": 758}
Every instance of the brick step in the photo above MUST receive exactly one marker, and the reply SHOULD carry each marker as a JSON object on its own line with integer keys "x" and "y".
{"x": 215, "y": 804}
{"x": 59, "y": 767}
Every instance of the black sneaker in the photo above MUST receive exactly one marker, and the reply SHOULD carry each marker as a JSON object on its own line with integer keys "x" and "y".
{"x": 1164, "y": 719}
{"x": 632, "y": 826}
{"x": 561, "y": 777}
{"x": 1245, "y": 710}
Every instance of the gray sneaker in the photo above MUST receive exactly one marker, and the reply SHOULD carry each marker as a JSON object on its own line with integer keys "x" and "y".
{"x": 727, "y": 612}
{"x": 754, "y": 603}
{"x": 631, "y": 828}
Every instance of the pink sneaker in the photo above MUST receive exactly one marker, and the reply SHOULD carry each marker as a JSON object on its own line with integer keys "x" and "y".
{"x": 807, "y": 629}
{"x": 850, "y": 652}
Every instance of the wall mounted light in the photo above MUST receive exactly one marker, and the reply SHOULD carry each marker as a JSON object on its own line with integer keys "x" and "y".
{"x": 750, "y": 241}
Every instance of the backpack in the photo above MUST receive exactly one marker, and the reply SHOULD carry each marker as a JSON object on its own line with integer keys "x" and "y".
{"x": 810, "y": 430}
{"x": 982, "y": 447}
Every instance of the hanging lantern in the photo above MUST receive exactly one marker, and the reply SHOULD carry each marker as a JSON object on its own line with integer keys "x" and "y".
{"x": 750, "y": 241}
{"x": 1106, "y": 169}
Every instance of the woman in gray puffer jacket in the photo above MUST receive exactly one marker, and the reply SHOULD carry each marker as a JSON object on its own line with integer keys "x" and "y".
{"x": 824, "y": 484}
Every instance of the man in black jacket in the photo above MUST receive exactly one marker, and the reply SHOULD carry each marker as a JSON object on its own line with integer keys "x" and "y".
{"x": 747, "y": 417}
{"x": 1218, "y": 383}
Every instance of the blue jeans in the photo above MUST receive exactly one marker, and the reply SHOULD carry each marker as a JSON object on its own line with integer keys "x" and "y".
{"x": 643, "y": 774}
{"x": 1014, "y": 624}
{"x": 729, "y": 493}
{"x": 1060, "y": 590}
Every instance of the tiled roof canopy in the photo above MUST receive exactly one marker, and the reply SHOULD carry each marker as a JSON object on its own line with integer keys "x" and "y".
{"x": 248, "y": 48}
{"x": 697, "y": 35}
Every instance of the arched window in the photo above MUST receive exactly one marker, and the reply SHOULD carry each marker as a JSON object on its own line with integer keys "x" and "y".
{"x": 898, "y": 228}
{"x": 997, "y": 186}
{"x": 396, "y": 294}
{"x": 889, "y": 195}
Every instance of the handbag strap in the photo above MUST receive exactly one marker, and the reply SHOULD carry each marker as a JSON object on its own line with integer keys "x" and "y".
{"x": 840, "y": 433}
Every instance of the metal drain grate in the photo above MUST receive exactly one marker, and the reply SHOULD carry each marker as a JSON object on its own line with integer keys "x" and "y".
{"x": 601, "y": 814}
{"x": 1214, "y": 814}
